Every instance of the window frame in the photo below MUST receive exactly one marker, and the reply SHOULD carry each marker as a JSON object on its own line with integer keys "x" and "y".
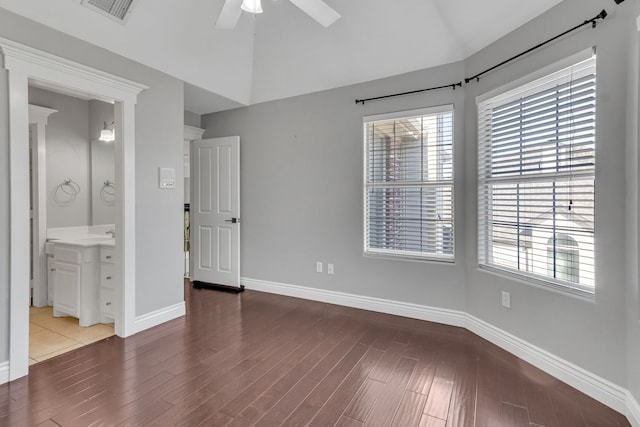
{"x": 400, "y": 254}
{"x": 541, "y": 76}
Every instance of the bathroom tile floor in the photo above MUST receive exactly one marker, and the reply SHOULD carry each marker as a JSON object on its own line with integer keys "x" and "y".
{"x": 50, "y": 336}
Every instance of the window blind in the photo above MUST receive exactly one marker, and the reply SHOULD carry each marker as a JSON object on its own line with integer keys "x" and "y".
{"x": 536, "y": 175}
{"x": 409, "y": 184}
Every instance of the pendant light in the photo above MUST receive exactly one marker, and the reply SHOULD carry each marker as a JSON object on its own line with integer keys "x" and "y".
{"x": 251, "y": 6}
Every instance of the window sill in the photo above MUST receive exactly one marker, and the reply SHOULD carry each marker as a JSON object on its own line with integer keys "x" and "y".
{"x": 408, "y": 257}
{"x": 581, "y": 294}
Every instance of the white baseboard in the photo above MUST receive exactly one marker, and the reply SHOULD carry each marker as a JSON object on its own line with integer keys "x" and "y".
{"x": 414, "y": 311}
{"x": 158, "y": 317}
{"x": 633, "y": 410}
{"x": 600, "y": 389}
{"x": 4, "y": 372}
{"x": 597, "y": 387}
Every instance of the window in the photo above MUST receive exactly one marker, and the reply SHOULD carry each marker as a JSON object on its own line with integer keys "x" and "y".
{"x": 408, "y": 187}
{"x": 536, "y": 166}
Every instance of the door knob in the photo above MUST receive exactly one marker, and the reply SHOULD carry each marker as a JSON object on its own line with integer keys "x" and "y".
{"x": 232, "y": 220}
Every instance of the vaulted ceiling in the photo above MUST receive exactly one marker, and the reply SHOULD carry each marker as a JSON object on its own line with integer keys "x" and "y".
{"x": 283, "y": 52}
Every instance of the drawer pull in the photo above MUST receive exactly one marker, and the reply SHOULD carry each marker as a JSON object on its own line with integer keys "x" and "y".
{"x": 108, "y": 257}
{"x": 108, "y": 277}
{"x": 108, "y": 303}
{"x": 53, "y": 269}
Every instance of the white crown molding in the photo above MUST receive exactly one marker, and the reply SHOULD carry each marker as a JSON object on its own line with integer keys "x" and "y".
{"x": 158, "y": 317}
{"x": 38, "y": 114}
{"x": 192, "y": 133}
{"x": 593, "y": 385}
{"x": 12, "y": 49}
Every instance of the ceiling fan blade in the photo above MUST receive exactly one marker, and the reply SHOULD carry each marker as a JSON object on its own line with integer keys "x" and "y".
{"x": 229, "y": 15}
{"x": 318, "y": 10}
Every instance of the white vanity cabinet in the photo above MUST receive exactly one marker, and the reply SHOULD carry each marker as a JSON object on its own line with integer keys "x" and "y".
{"x": 107, "y": 284}
{"x": 76, "y": 281}
{"x": 51, "y": 270}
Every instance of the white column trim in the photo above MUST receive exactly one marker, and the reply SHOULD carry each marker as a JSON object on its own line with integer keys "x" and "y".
{"x": 24, "y": 63}
{"x": 19, "y": 220}
{"x": 39, "y": 116}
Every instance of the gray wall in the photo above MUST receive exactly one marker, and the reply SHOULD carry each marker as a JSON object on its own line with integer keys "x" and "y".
{"x": 633, "y": 162}
{"x": 301, "y": 192}
{"x": 159, "y": 133}
{"x": 103, "y": 207}
{"x": 68, "y": 157}
{"x": 73, "y": 151}
{"x": 590, "y": 334}
{"x": 192, "y": 119}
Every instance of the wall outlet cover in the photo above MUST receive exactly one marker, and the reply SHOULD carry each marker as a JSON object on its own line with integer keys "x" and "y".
{"x": 506, "y": 299}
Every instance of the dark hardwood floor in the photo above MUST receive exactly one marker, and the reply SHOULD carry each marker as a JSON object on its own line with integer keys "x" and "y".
{"x": 267, "y": 360}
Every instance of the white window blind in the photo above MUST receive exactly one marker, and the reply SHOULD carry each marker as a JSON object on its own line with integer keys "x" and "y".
{"x": 536, "y": 166}
{"x": 409, "y": 184}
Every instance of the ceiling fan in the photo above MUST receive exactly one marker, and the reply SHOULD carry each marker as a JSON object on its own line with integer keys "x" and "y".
{"x": 316, "y": 9}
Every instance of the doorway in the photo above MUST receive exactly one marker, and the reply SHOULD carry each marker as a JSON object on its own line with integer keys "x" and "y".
{"x": 215, "y": 217}
{"x": 73, "y": 201}
{"x": 25, "y": 65}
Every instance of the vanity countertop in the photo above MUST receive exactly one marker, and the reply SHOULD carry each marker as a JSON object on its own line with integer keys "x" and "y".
{"x": 85, "y": 241}
{"x": 83, "y": 236}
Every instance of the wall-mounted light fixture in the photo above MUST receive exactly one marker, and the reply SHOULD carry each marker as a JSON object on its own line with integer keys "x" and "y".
{"x": 252, "y": 6}
{"x": 106, "y": 134}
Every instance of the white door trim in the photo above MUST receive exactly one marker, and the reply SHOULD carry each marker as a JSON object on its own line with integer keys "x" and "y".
{"x": 191, "y": 133}
{"x": 38, "y": 118}
{"x": 24, "y": 63}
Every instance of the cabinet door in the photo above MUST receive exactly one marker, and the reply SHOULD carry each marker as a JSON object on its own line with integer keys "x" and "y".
{"x": 66, "y": 297}
{"x": 51, "y": 277}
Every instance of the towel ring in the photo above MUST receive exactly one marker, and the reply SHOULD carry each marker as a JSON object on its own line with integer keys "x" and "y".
{"x": 66, "y": 192}
{"x": 108, "y": 192}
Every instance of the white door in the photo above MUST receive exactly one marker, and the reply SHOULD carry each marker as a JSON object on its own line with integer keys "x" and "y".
{"x": 215, "y": 211}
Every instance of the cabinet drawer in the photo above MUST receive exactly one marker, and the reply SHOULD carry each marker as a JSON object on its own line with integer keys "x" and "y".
{"x": 107, "y": 275}
{"x": 69, "y": 255}
{"x": 107, "y": 298}
{"x": 107, "y": 255}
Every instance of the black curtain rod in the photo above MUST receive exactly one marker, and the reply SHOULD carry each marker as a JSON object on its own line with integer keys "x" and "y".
{"x": 452, "y": 86}
{"x": 593, "y": 21}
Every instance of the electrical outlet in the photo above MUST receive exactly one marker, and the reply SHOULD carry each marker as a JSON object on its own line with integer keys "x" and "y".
{"x": 506, "y": 299}
{"x": 318, "y": 267}
{"x": 329, "y": 268}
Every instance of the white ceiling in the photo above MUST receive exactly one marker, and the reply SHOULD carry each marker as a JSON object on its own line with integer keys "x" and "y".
{"x": 283, "y": 52}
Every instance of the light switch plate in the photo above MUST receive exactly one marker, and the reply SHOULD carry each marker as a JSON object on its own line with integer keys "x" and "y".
{"x": 167, "y": 178}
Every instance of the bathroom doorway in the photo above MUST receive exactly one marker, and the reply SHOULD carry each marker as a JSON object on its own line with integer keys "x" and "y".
{"x": 73, "y": 195}
{"x": 25, "y": 65}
